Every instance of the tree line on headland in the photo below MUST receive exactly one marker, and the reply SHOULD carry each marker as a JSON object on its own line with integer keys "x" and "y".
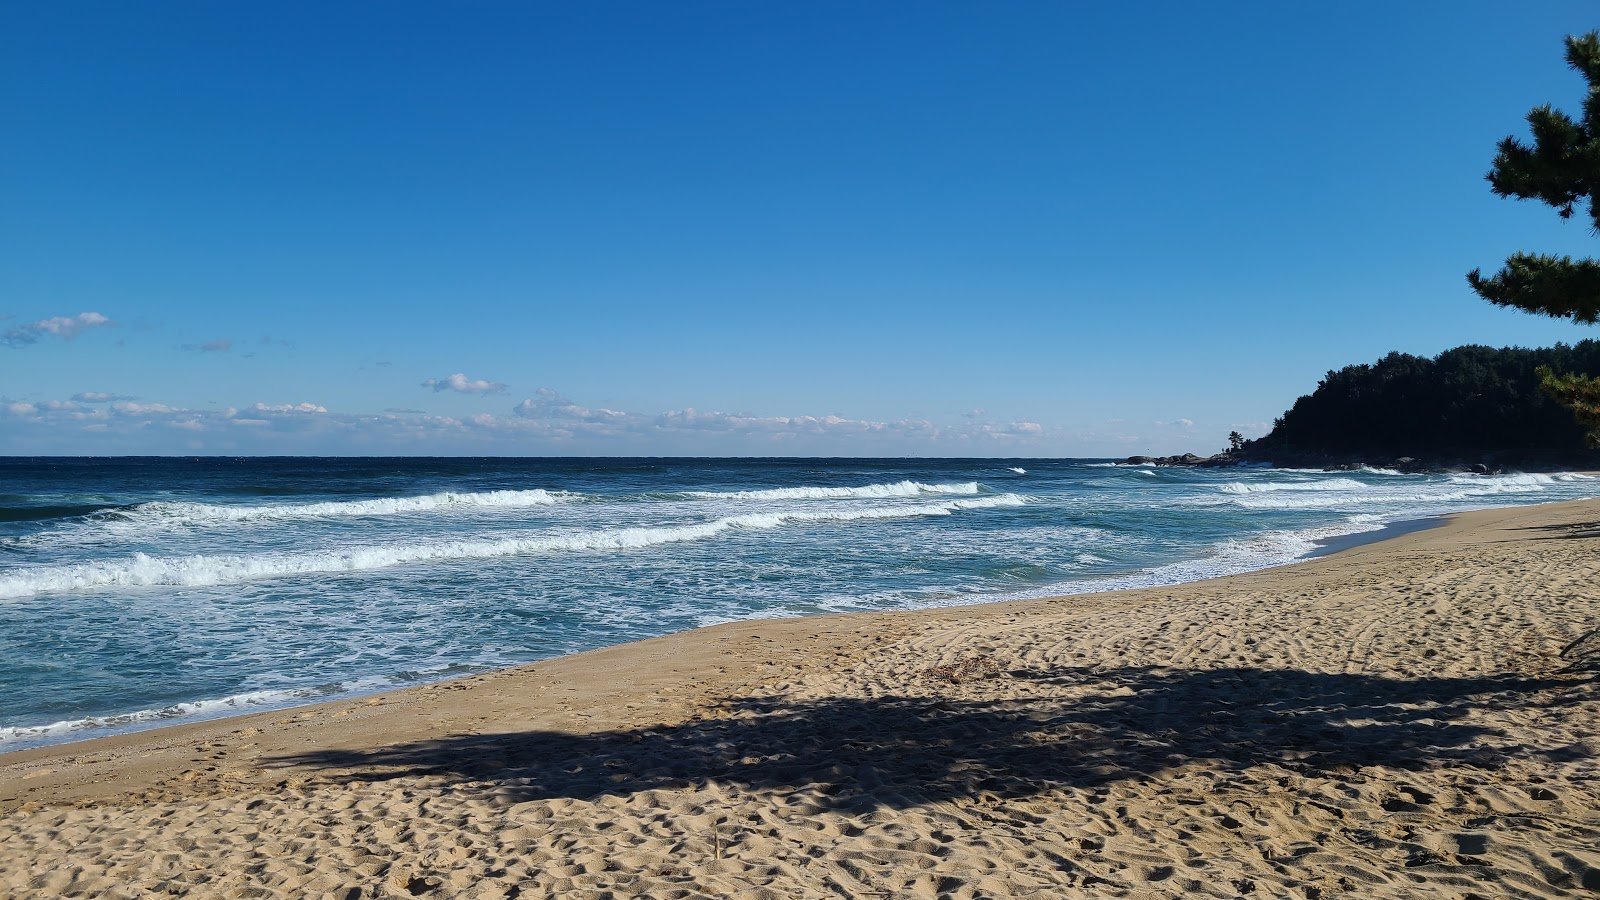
{"x": 1477, "y": 407}
{"x": 1467, "y": 406}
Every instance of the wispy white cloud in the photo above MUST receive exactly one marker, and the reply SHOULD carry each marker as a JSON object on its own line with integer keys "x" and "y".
{"x": 290, "y": 409}
{"x": 549, "y": 406}
{"x": 64, "y": 327}
{"x": 547, "y": 422}
{"x": 131, "y": 408}
{"x": 461, "y": 384}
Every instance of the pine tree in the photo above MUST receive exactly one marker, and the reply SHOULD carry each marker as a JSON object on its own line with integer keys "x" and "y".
{"x": 1560, "y": 169}
{"x": 1579, "y": 393}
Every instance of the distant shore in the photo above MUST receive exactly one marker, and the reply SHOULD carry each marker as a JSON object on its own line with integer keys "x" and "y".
{"x": 1392, "y": 720}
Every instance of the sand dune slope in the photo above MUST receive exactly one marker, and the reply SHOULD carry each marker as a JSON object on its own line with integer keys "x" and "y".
{"x": 1394, "y": 721}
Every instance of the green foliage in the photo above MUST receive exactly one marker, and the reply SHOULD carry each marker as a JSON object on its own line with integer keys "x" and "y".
{"x": 1464, "y": 403}
{"x": 1235, "y": 442}
{"x": 1561, "y": 168}
{"x": 1579, "y": 393}
{"x": 1556, "y": 286}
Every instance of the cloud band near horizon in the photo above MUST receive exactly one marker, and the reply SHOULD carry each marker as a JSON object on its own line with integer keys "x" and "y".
{"x": 547, "y": 421}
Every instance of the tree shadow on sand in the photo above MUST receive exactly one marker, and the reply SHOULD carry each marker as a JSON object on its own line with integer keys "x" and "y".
{"x": 1079, "y": 728}
{"x": 1565, "y": 531}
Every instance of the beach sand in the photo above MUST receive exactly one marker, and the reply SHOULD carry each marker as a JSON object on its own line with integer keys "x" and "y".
{"x": 1394, "y": 720}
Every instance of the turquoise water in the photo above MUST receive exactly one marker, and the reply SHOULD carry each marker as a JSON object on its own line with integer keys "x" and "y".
{"x": 136, "y": 592}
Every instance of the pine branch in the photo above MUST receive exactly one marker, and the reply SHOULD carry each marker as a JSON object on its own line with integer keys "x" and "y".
{"x": 1556, "y": 286}
{"x": 1579, "y": 393}
{"x": 1560, "y": 168}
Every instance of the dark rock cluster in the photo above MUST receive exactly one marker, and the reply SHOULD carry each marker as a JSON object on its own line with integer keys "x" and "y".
{"x": 1333, "y": 462}
{"x": 1189, "y": 460}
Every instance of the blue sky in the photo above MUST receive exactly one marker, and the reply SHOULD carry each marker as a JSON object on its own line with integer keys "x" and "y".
{"x": 744, "y": 229}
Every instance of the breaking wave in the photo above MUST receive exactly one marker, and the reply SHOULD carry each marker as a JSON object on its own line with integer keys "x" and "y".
{"x": 864, "y": 492}
{"x": 1333, "y": 493}
{"x": 171, "y": 513}
{"x": 202, "y": 571}
{"x": 1331, "y": 484}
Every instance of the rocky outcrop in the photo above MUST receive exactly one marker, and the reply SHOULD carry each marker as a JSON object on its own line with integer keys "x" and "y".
{"x": 1190, "y": 460}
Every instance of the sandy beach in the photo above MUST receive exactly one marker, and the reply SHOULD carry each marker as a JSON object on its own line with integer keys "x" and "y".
{"x": 1394, "y": 720}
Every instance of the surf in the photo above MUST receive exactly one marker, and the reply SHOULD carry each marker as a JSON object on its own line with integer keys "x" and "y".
{"x": 145, "y": 570}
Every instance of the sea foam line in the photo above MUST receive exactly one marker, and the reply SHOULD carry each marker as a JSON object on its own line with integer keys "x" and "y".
{"x": 22, "y": 736}
{"x": 864, "y": 492}
{"x": 204, "y": 571}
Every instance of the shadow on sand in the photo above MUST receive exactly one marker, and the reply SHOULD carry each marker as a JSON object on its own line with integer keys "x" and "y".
{"x": 1076, "y": 728}
{"x": 1565, "y": 531}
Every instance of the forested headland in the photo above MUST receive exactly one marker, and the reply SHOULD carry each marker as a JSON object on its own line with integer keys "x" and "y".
{"x": 1469, "y": 406}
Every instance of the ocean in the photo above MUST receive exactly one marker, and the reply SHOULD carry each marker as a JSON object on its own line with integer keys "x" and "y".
{"x": 144, "y": 591}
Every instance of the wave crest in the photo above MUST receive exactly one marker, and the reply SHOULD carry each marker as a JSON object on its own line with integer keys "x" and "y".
{"x": 174, "y": 513}
{"x": 1339, "y": 492}
{"x": 864, "y": 492}
{"x": 143, "y": 570}
{"x": 1331, "y": 484}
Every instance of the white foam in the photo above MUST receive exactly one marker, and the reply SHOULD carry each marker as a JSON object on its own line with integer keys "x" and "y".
{"x": 170, "y": 513}
{"x": 864, "y": 492}
{"x": 1430, "y": 495}
{"x": 1228, "y": 557}
{"x": 204, "y": 571}
{"x": 1516, "y": 480}
{"x": 1236, "y": 555}
{"x": 1019, "y": 470}
{"x": 15, "y": 737}
{"x": 22, "y": 737}
{"x": 1257, "y": 487}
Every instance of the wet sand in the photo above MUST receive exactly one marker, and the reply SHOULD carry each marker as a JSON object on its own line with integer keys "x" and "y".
{"x": 1393, "y": 720}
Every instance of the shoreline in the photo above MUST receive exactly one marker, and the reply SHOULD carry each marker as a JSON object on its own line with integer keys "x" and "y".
{"x": 1390, "y": 530}
{"x": 1388, "y": 719}
{"x": 1094, "y": 586}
